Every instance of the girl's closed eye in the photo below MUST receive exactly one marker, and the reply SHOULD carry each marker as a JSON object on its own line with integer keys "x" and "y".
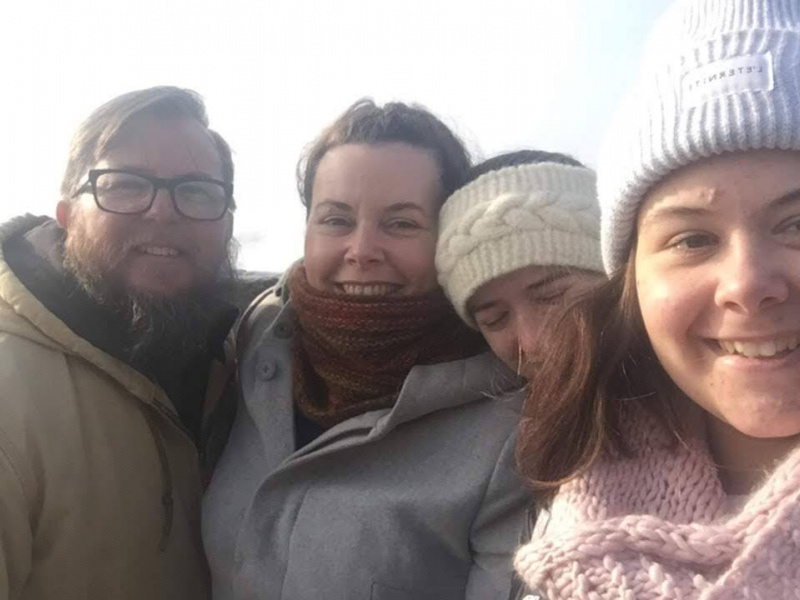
{"x": 493, "y": 320}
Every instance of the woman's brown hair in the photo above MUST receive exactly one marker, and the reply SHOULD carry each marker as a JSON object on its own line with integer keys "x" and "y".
{"x": 595, "y": 358}
{"x": 364, "y": 122}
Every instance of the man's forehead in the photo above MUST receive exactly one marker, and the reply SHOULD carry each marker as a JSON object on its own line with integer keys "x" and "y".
{"x": 166, "y": 147}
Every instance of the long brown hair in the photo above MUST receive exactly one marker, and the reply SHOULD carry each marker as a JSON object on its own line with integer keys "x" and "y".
{"x": 596, "y": 358}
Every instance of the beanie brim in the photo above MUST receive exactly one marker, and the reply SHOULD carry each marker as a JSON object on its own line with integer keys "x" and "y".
{"x": 513, "y": 252}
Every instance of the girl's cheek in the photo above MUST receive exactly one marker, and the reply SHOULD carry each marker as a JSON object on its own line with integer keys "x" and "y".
{"x": 663, "y": 301}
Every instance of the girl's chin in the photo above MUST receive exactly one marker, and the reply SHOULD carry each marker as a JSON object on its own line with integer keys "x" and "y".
{"x": 776, "y": 428}
{"x": 777, "y": 418}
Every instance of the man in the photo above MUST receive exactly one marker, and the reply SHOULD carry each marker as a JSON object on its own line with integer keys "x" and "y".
{"x": 112, "y": 358}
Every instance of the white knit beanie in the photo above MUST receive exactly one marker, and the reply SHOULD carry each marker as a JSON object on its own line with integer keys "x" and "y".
{"x": 717, "y": 76}
{"x": 514, "y": 217}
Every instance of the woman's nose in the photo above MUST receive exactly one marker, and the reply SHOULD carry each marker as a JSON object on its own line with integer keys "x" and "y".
{"x": 751, "y": 277}
{"x": 365, "y": 247}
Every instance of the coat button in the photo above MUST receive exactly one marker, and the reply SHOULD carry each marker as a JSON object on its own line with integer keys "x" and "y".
{"x": 267, "y": 370}
{"x": 283, "y": 330}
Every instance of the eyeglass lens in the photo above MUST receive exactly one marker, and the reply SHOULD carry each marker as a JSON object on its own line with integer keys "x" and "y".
{"x": 130, "y": 193}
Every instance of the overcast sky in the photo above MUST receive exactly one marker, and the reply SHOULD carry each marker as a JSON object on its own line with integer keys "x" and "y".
{"x": 505, "y": 74}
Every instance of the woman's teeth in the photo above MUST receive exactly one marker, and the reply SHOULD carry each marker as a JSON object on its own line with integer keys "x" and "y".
{"x": 158, "y": 250}
{"x": 372, "y": 289}
{"x": 760, "y": 349}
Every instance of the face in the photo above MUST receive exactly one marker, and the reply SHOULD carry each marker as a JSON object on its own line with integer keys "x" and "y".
{"x": 159, "y": 253}
{"x": 510, "y": 310}
{"x": 718, "y": 282}
{"x": 372, "y": 225}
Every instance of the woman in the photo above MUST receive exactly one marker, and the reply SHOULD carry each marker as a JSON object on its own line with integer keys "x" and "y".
{"x": 368, "y": 458}
{"x": 516, "y": 239}
{"x": 681, "y": 377}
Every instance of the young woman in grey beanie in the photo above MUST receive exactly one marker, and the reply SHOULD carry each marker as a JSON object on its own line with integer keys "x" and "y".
{"x": 679, "y": 377}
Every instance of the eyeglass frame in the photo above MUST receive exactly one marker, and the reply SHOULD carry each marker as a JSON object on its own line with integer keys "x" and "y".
{"x": 158, "y": 183}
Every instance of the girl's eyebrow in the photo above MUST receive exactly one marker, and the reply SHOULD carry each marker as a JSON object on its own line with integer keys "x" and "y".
{"x": 485, "y": 306}
{"x": 661, "y": 212}
{"x": 787, "y": 199}
{"x": 690, "y": 212}
{"x": 547, "y": 279}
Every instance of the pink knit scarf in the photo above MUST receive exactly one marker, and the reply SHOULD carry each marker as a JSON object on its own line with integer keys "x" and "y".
{"x": 657, "y": 526}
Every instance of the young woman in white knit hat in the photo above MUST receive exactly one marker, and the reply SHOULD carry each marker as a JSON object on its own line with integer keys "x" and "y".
{"x": 678, "y": 383}
{"x": 521, "y": 233}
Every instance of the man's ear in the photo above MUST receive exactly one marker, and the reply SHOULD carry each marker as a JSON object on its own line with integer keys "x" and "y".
{"x": 63, "y": 213}
{"x": 229, "y": 231}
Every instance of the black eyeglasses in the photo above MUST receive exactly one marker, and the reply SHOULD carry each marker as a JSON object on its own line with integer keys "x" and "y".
{"x": 125, "y": 193}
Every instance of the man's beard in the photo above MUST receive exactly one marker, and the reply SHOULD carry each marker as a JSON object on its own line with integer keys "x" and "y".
{"x": 163, "y": 331}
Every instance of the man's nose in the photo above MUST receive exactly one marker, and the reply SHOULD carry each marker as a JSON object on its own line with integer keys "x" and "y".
{"x": 163, "y": 208}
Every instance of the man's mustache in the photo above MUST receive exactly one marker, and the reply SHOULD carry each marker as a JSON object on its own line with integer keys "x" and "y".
{"x": 186, "y": 250}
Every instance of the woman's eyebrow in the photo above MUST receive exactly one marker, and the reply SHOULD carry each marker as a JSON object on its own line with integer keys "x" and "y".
{"x": 334, "y": 204}
{"x": 400, "y": 206}
{"x": 684, "y": 211}
{"x": 661, "y": 212}
{"x": 787, "y": 199}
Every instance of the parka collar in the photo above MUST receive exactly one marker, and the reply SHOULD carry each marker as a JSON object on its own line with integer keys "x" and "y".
{"x": 46, "y": 328}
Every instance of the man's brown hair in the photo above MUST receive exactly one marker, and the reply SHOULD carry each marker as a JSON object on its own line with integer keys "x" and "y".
{"x": 101, "y": 128}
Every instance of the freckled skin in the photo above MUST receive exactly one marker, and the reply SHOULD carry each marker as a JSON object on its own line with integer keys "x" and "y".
{"x": 718, "y": 258}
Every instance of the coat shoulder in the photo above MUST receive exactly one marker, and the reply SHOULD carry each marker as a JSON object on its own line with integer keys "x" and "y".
{"x": 259, "y": 316}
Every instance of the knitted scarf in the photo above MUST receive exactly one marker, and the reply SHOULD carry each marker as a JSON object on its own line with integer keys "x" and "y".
{"x": 657, "y": 526}
{"x": 353, "y": 353}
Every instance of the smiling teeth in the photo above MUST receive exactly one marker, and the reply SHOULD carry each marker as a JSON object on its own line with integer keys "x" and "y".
{"x": 375, "y": 289}
{"x": 760, "y": 349}
{"x": 158, "y": 250}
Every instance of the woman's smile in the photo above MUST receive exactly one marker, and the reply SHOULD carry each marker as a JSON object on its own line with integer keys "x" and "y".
{"x": 719, "y": 287}
{"x": 371, "y": 229}
{"x": 764, "y": 348}
{"x": 372, "y": 288}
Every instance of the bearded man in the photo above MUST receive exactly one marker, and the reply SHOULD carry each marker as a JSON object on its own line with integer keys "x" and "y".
{"x": 113, "y": 358}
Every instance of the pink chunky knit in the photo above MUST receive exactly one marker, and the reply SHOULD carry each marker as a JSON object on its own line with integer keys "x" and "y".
{"x": 656, "y": 527}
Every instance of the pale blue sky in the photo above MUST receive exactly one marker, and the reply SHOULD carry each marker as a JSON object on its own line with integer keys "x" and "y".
{"x": 505, "y": 74}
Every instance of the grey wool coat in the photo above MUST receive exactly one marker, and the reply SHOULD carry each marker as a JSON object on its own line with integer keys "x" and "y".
{"x": 418, "y": 502}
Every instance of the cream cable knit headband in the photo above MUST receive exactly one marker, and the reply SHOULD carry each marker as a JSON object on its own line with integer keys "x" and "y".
{"x": 718, "y": 76}
{"x": 532, "y": 214}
